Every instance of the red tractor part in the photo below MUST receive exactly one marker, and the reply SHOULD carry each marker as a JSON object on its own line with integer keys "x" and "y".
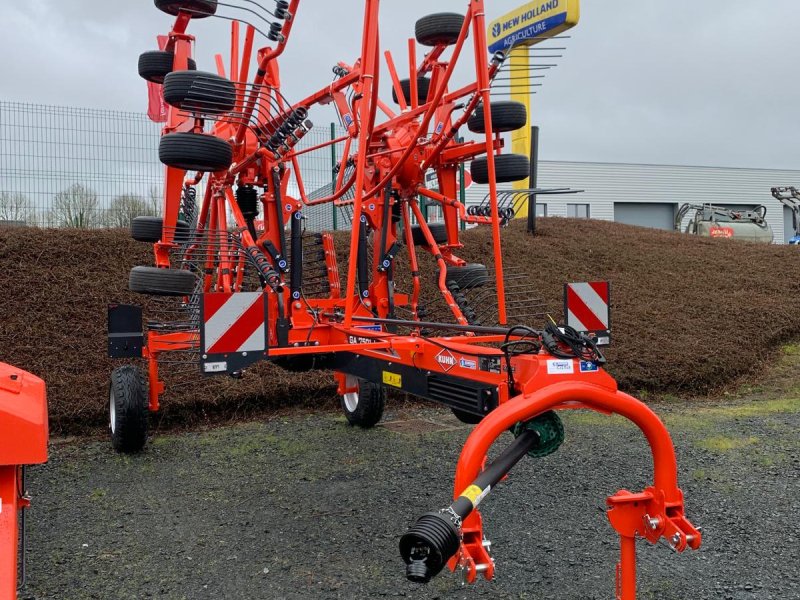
{"x": 455, "y": 535}
{"x": 23, "y": 441}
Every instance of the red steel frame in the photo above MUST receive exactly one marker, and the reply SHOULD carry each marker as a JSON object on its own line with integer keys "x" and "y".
{"x": 23, "y": 441}
{"x": 394, "y": 155}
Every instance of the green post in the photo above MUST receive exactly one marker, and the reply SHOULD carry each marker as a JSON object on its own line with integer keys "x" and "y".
{"x": 333, "y": 174}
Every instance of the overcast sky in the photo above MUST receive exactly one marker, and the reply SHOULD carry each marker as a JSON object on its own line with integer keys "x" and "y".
{"x": 711, "y": 82}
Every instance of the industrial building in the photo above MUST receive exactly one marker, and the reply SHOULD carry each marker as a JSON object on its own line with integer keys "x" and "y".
{"x": 649, "y": 195}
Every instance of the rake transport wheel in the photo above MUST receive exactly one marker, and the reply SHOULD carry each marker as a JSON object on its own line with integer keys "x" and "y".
{"x": 438, "y": 231}
{"x": 469, "y": 276}
{"x": 154, "y": 65}
{"x": 507, "y": 167}
{"x": 439, "y": 28}
{"x": 423, "y": 87}
{"x": 199, "y": 91}
{"x": 506, "y": 116}
{"x": 195, "y": 152}
{"x": 161, "y": 282}
{"x": 197, "y": 8}
{"x": 149, "y": 229}
{"x": 128, "y": 409}
{"x": 364, "y": 407}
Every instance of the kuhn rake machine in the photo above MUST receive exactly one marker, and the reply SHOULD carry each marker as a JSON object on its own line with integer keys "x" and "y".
{"x": 250, "y": 284}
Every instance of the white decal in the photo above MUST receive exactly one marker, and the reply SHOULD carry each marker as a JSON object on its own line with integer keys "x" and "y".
{"x": 446, "y": 359}
{"x": 560, "y": 367}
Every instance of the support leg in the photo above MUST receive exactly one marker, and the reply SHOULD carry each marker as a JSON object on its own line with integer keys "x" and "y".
{"x": 9, "y": 531}
{"x": 626, "y": 569}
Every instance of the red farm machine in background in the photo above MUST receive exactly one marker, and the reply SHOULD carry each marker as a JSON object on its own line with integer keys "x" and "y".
{"x": 23, "y": 441}
{"x": 249, "y": 283}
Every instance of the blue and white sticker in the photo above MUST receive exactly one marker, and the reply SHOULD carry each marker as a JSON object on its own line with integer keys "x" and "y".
{"x": 587, "y": 366}
{"x": 560, "y": 367}
{"x": 465, "y": 363}
{"x": 369, "y": 327}
{"x": 348, "y": 120}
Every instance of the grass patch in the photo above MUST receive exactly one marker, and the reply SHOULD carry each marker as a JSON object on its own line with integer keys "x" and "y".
{"x": 791, "y": 350}
{"x": 722, "y": 444}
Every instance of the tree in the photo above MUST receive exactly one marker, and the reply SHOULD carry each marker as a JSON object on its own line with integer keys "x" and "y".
{"x": 14, "y": 207}
{"x": 155, "y": 198}
{"x": 124, "y": 209}
{"x": 76, "y": 206}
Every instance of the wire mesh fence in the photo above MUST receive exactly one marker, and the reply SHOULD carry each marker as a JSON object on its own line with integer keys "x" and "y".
{"x": 76, "y": 167}
{"x": 91, "y": 168}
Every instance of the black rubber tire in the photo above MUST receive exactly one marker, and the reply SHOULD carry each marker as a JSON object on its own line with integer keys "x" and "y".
{"x": 195, "y": 152}
{"x": 149, "y": 229}
{"x": 438, "y": 231}
{"x": 467, "y": 417}
{"x": 199, "y": 9}
{"x": 369, "y": 405}
{"x": 161, "y": 282}
{"x": 507, "y": 115}
{"x": 154, "y": 65}
{"x": 507, "y": 168}
{"x": 469, "y": 276}
{"x": 439, "y": 28}
{"x": 423, "y": 87}
{"x": 199, "y": 91}
{"x": 128, "y": 409}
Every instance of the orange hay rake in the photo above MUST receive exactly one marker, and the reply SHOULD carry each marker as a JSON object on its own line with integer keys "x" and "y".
{"x": 237, "y": 266}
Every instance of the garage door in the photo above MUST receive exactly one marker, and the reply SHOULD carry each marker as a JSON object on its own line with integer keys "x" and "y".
{"x": 651, "y": 214}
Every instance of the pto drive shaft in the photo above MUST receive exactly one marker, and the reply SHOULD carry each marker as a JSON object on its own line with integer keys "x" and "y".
{"x": 436, "y": 536}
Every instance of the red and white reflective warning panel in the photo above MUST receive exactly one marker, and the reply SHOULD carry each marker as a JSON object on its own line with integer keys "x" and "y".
{"x": 234, "y": 330}
{"x": 587, "y": 308}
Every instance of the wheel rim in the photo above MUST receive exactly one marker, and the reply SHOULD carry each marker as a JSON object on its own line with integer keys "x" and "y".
{"x": 351, "y": 398}
{"x": 112, "y": 411}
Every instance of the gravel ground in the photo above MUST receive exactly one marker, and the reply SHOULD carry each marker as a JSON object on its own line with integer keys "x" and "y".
{"x": 303, "y": 506}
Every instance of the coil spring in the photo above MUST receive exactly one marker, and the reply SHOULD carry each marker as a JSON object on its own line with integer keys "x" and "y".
{"x": 463, "y": 303}
{"x": 265, "y": 270}
{"x": 281, "y": 9}
{"x": 505, "y": 214}
{"x": 274, "y": 33}
{"x": 189, "y": 205}
{"x": 290, "y": 131}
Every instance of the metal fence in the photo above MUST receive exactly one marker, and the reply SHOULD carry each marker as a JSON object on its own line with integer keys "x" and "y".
{"x": 77, "y": 167}
{"x": 89, "y": 168}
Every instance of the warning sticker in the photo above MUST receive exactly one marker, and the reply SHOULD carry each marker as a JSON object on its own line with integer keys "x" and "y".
{"x": 475, "y": 494}
{"x": 393, "y": 379}
{"x": 472, "y": 493}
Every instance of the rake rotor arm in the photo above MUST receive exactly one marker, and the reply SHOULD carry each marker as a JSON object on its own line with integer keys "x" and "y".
{"x": 434, "y": 103}
{"x": 437, "y": 255}
{"x": 261, "y": 73}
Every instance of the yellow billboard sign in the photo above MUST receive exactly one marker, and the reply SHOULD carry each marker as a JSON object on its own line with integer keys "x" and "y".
{"x": 532, "y": 23}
